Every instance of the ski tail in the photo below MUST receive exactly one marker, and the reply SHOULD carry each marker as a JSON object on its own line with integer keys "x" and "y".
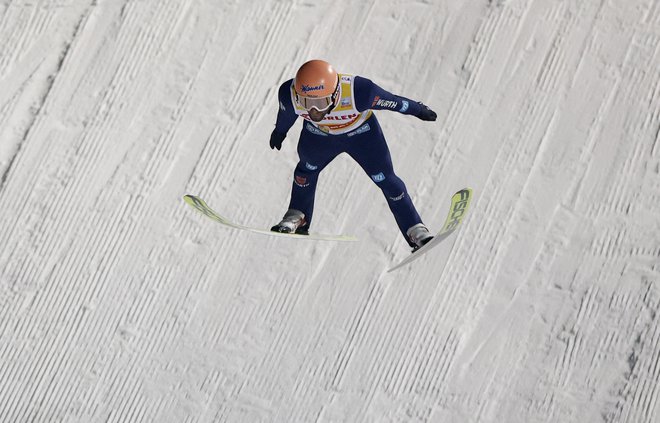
{"x": 459, "y": 206}
{"x": 201, "y": 206}
{"x": 457, "y": 211}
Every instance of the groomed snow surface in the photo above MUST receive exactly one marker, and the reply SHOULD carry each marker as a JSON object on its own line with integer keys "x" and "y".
{"x": 119, "y": 303}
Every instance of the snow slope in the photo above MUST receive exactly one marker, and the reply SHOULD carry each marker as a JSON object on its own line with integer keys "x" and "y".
{"x": 119, "y": 303}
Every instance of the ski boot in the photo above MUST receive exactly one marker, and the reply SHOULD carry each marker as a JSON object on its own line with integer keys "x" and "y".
{"x": 292, "y": 222}
{"x": 419, "y": 236}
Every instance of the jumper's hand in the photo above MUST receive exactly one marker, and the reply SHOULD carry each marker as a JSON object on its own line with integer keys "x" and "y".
{"x": 276, "y": 139}
{"x": 426, "y": 113}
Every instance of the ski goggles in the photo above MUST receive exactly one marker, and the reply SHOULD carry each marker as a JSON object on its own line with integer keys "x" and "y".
{"x": 319, "y": 103}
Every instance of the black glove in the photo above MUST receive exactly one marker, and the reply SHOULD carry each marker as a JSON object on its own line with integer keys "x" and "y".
{"x": 426, "y": 113}
{"x": 276, "y": 139}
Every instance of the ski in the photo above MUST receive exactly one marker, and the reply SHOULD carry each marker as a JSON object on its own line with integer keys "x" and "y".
{"x": 201, "y": 206}
{"x": 457, "y": 211}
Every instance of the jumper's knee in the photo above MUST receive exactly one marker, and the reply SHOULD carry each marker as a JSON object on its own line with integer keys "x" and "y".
{"x": 391, "y": 185}
{"x": 306, "y": 174}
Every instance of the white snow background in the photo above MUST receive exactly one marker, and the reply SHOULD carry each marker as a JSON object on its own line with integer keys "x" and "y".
{"x": 119, "y": 303}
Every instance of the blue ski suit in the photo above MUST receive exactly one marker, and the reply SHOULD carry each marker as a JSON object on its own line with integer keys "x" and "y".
{"x": 350, "y": 128}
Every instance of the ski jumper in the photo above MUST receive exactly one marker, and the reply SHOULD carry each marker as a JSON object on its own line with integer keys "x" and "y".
{"x": 350, "y": 127}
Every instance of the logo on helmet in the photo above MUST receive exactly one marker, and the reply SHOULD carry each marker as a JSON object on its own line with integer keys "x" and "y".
{"x": 307, "y": 88}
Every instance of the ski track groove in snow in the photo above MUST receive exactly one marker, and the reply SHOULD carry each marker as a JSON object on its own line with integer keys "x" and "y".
{"x": 119, "y": 303}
